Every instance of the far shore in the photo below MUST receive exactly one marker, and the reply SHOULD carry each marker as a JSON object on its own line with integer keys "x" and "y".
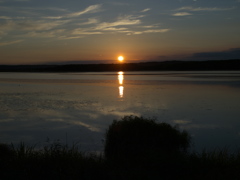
{"x": 211, "y": 65}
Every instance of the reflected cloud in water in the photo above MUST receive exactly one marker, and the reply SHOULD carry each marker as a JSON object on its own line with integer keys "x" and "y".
{"x": 120, "y": 82}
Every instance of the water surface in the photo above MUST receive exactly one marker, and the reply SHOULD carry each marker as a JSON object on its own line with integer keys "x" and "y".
{"x": 78, "y": 107}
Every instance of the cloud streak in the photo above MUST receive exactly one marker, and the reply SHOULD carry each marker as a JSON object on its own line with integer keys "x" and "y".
{"x": 146, "y": 10}
{"x": 125, "y": 21}
{"x": 182, "y": 14}
{"x": 228, "y": 54}
{"x": 10, "y": 42}
{"x": 90, "y": 9}
{"x": 189, "y": 8}
{"x": 40, "y": 25}
{"x": 148, "y": 31}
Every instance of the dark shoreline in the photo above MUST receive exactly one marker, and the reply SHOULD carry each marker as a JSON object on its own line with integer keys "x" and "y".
{"x": 211, "y": 65}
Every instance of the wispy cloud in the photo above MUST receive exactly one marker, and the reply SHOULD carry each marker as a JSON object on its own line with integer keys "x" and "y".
{"x": 156, "y": 31}
{"x": 30, "y": 28}
{"x": 2, "y": 34}
{"x": 122, "y": 21}
{"x": 146, "y": 10}
{"x": 46, "y": 34}
{"x": 83, "y": 31}
{"x": 189, "y": 8}
{"x": 5, "y": 17}
{"x": 90, "y": 21}
{"x": 7, "y": 26}
{"x": 148, "y": 31}
{"x": 151, "y": 26}
{"x": 53, "y": 17}
{"x": 91, "y": 9}
{"x": 70, "y": 37}
{"x": 107, "y": 25}
{"x": 40, "y": 25}
{"x": 10, "y": 42}
{"x": 182, "y": 14}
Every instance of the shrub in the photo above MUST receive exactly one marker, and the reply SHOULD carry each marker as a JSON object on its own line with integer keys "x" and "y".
{"x": 134, "y": 137}
{"x": 6, "y": 151}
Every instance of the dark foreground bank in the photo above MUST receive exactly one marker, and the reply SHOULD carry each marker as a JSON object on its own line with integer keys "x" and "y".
{"x": 147, "y": 66}
{"x": 131, "y": 152}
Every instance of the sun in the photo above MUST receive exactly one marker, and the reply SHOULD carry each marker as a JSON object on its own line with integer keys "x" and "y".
{"x": 120, "y": 58}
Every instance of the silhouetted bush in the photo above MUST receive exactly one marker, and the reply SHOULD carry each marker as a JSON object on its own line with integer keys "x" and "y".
{"x": 6, "y": 151}
{"x": 133, "y": 137}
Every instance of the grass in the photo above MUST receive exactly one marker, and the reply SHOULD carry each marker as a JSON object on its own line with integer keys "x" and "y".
{"x": 57, "y": 161}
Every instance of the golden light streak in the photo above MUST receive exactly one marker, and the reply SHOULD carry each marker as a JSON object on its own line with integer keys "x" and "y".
{"x": 120, "y": 81}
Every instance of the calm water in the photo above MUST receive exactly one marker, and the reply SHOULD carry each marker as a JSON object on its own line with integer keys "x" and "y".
{"x": 78, "y": 107}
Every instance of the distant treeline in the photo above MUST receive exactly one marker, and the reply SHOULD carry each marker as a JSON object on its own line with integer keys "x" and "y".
{"x": 145, "y": 66}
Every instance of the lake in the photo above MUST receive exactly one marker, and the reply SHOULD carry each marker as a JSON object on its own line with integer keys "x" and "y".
{"x": 40, "y": 108}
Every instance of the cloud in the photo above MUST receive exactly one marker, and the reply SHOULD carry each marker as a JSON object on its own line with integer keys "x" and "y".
{"x": 10, "y": 42}
{"x": 115, "y": 29}
{"x": 148, "y": 31}
{"x": 91, "y": 9}
{"x": 151, "y": 26}
{"x": 189, "y": 8}
{"x": 53, "y": 17}
{"x": 90, "y": 21}
{"x": 124, "y": 24}
{"x": 2, "y": 34}
{"x": 83, "y": 31}
{"x": 182, "y": 14}
{"x": 145, "y": 10}
{"x": 30, "y": 28}
{"x": 5, "y": 17}
{"x": 62, "y": 24}
{"x": 47, "y": 34}
{"x": 218, "y": 55}
{"x": 7, "y": 26}
{"x": 157, "y": 31}
{"x": 70, "y": 37}
{"x": 122, "y": 21}
{"x": 40, "y": 25}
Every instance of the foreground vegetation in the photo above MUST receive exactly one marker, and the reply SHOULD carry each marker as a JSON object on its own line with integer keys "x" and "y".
{"x": 135, "y": 148}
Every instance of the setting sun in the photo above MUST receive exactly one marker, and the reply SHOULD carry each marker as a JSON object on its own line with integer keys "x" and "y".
{"x": 120, "y": 58}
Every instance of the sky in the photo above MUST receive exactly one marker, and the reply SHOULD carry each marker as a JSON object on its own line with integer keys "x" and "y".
{"x": 68, "y": 31}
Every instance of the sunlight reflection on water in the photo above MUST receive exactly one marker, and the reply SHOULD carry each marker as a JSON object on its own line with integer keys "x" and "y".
{"x": 120, "y": 81}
